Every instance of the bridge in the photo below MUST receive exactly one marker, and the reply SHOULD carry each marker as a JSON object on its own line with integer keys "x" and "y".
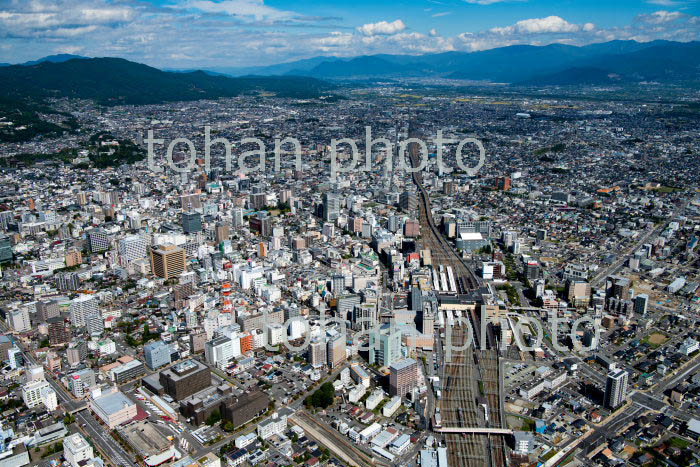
{"x": 478, "y": 430}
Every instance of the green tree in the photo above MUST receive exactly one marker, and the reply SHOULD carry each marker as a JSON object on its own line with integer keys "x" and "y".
{"x": 214, "y": 418}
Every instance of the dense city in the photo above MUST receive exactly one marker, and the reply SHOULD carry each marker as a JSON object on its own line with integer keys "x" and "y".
{"x": 191, "y": 313}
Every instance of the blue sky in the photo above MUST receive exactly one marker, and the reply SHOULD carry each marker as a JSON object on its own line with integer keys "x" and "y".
{"x": 220, "y": 33}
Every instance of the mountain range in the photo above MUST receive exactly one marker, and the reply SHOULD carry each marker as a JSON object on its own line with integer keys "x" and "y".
{"x": 560, "y": 64}
{"x": 112, "y": 81}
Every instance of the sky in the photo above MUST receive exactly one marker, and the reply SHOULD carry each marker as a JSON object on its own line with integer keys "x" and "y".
{"x": 232, "y": 33}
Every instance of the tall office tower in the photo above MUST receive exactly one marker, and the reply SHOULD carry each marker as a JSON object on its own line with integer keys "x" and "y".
{"x": 317, "y": 353}
{"x": 168, "y": 261}
{"x": 237, "y": 215}
{"x": 81, "y": 308}
{"x": 132, "y": 248}
{"x": 5, "y": 249}
{"x": 99, "y": 240}
{"x": 385, "y": 346}
{"x": 337, "y": 284}
{"x": 335, "y": 351}
{"x": 364, "y": 316}
{"x": 408, "y": 201}
{"x": 223, "y": 231}
{"x": 191, "y": 222}
{"x": 346, "y": 305}
{"x": 641, "y": 304}
{"x": 331, "y": 206}
{"x": 615, "y": 388}
{"x": 618, "y": 287}
{"x": 426, "y": 321}
{"x": 403, "y": 377}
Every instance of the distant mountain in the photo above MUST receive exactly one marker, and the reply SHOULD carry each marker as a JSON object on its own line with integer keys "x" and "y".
{"x": 59, "y": 58}
{"x": 663, "y": 61}
{"x": 576, "y": 76}
{"x": 113, "y": 81}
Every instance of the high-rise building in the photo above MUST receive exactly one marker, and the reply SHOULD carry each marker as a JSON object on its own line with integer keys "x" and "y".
{"x": 364, "y": 316}
{"x": 237, "y": 215}
{"x": 335, "y": 351}
{"x": 99, "y": 240}
{"x": 316, "y": 354}
{"x": 346, "y": 305}
{"x": 641, "y": 304}
{"x": 337, "y": 284}
{"x": 31, "y": 392}
{"x": 403, "y": 377}
{"x": 331, "y": 206}
{"x": 168, "y": 261}
{"x": 408, "y": 201}
{"x": 19, "y": 319}
{"x": 156, "y": 354}
{"x": 220, "y": 351}
{"x": 618, "y": 287}
{"x": 411, "y": 228}
{"x": 191, "y": 222}
{"x": 197, "y": 341}
{"x": 185, "y": 378}
{"x": 81, "y": 381}
{"x": 81, "y": 308}
{"x": 132, "y": 248}
{"x": 615, "y": 388}
{"x": 59, "y": 333}
{"x": 262, "y": 225}
{"x": 223, "y": 232}
{"x": 95, "y": 323}
{"x": 6, "y": 253}
{"x": 385, "y": 346}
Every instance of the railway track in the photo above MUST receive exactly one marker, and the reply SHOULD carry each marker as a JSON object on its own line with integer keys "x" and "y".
{"x": 471, "y": 393}
{"x": 336, "y": 441}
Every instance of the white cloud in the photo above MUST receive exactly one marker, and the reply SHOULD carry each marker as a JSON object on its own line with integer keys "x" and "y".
{"x": 382, "y": 28}
{"x": 434, "y": 33}
{"x": 444, "y": 13}
{"x": 550, "y": 24}
{"x": 661, "y": 17}
{"x": 62, "y": 18}
{"x": 255, "y": 9}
